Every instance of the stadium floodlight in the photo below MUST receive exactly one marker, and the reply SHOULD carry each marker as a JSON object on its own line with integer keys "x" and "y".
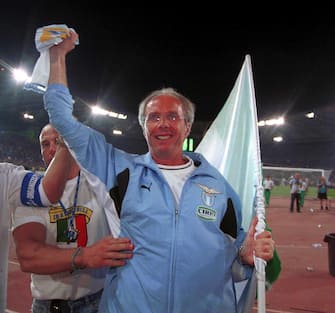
{"x": 99, "y": 111}
{"x": 122, "y": 116}
{"x": 28, "y": 116}
{"x": 117, "y": 132}
{"x": 310, "y": 115}
{"x": 280, "y": 121}
{"x": 272, "y": 122}
{"x": 20, "y": 75}
{"x": 278, "y": 139}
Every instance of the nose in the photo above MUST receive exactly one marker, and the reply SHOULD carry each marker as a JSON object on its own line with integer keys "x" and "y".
{"x": 53, "y": 148}
{"x": 164, "y": 120}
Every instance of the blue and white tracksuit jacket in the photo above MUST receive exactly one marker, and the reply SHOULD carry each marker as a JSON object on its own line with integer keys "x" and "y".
{"x": 183, "y": 255}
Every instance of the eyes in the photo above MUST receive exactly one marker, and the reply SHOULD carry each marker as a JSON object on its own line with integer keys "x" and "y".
{"x": 47, "y": 144}
{"x": 171, "y": 117}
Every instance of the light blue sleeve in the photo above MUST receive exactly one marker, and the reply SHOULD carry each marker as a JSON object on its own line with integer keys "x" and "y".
{"x": 88, "y": 146}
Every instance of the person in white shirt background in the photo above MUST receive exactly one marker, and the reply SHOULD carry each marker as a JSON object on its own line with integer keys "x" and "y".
{"x": 268, "y": 185}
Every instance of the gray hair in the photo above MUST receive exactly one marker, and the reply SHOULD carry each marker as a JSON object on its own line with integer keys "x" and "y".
{"x": 187, "y": 105}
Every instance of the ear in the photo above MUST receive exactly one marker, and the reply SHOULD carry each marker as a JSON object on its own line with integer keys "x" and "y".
{"x": 144, "y": 132}
{"x": 187, "y": 129}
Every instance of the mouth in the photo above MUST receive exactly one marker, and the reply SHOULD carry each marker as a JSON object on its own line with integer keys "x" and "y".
{"x": 163, "y": 137}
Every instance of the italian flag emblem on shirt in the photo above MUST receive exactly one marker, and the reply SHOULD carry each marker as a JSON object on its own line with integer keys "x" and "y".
{"x": 82, "y": 216}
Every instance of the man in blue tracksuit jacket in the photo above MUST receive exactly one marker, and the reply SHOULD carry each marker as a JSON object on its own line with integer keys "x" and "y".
{"x": 181, "y": 214}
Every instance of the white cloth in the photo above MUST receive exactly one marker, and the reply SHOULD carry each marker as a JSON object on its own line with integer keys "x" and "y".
{"x": 45, "y": 38}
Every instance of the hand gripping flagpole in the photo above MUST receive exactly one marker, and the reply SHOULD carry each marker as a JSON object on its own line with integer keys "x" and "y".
{"x": 260, "y": 264}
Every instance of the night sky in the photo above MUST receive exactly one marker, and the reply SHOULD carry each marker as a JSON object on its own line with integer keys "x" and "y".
{"x": 125, "y": 53}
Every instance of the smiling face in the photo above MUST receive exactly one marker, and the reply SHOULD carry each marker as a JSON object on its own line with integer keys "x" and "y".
{"x": 165, "y": 129}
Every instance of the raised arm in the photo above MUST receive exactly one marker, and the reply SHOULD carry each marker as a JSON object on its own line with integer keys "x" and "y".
{"x": 58, "y": 59}
{"x": 87, "y": 144}
{"x": 57, "y": 172}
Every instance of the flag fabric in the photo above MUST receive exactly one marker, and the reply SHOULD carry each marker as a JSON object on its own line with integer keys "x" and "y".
{"x": 232, "y": 145}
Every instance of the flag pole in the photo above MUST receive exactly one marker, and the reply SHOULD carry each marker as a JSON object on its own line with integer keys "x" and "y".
{"x": 260, "y": 264}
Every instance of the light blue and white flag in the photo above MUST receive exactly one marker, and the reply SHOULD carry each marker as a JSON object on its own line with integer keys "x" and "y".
{"x": 232, "y": 145}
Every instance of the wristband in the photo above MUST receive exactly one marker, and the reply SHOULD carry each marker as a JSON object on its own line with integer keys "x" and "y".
{"x": 74, "y": 266}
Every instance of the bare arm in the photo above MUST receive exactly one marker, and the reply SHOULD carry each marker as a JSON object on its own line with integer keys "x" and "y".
{"x": 35, "y": 256}
{"x": 58, "y": 59}
{"x": 56, "y": 174}
{"x": 54, "y": 180}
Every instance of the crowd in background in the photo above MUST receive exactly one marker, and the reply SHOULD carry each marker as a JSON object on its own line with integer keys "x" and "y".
{"x": 20, "y": 150}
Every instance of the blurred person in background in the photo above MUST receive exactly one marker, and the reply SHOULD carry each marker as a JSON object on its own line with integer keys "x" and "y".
{"x": 268, "y": 185}
{"x": 303, "y": 191}
{"x": 322, "y": 188}
{"x": 295, "y": 186}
